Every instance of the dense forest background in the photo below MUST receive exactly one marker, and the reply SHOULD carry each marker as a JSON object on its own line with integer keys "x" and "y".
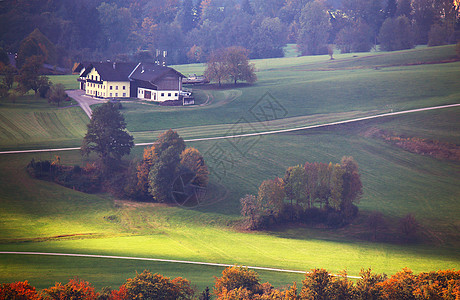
{"x": 189, "y": 30}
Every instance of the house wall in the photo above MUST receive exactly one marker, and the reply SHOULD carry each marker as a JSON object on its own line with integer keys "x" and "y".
{"x": 106, "y": 89}
{"x": 160, "y": 96}
{"x": 117, "y": 89}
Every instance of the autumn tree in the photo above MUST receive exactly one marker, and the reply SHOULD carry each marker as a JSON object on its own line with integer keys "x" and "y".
{"x": 315, "y": 285}
{"x": 156, "y": 286}
{"x": 314, "y": 29}
{"x": 143, "y": 169}
{"x": 56, "y": 94}
{"x": 270, "y": 199}
{"x": 192, "y": 161}
{"x": 237, "y": 277}
{"x": 107, "y": 136}
{"x": 367, "y": 285}
{"x": 164, "y": 170}
{"x": 216, "y": 67}
{"x": 74, "y": 289}
{"x": 399, "y": 286}
{"x": 18, "y": 290}
{"x": 29, "y": 77}
{"x": 230, "y": 63}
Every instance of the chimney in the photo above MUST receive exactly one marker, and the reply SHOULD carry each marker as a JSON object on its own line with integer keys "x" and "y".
{"x": 114, "y": 65}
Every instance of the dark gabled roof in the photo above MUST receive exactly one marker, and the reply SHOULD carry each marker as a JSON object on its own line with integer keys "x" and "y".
{"x": 111, "y": 71}
{"x": 80, "y": 66}
{"x": 123, "y": 71}
{"x": 150, "y": 72}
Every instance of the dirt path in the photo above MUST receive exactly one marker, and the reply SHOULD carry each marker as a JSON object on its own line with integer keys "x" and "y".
{"x": 84, "y": 101}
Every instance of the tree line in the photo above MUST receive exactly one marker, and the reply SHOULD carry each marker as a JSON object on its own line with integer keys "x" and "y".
{"x": 190, "y": 30}
{"x": 313, "y": 192}
{"x": 241, "y": 283}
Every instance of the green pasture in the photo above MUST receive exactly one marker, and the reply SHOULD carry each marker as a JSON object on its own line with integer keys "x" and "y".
{"x": 30, "y": 122}
{"x": 49, "y": 218}
{"x": 44, "y": 217}
{"x": 307, "y": 86}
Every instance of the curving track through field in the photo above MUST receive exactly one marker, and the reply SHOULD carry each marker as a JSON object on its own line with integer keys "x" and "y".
{"x": 265, "y": 132}
{"x": 155, "y": 260}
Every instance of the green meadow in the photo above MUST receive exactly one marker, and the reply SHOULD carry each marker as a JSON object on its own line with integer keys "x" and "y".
{"x": 41, "y": 216}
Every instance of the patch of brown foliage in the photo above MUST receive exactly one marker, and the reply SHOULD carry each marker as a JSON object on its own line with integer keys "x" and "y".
{"x": 432, "y": 148}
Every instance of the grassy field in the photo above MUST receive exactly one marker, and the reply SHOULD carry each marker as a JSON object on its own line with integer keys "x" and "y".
{"x": 308, "y": 86}
{"x": 42, "y": 216}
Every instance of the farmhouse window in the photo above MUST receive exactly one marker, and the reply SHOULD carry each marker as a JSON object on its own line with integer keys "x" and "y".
{"x": 175, "y": 94}
{"x": 116, "y": 87}
{"x": 169, "y": 94}
{"x": 110, "y": 87}
{"x": 116, "y": 94}
{"x": 124, "y": 87}
{"x": 148, "y": 95}
{"x": 110, "y": 94}
{"x": 162, "y": 94}
{"x": 124, "y": 94}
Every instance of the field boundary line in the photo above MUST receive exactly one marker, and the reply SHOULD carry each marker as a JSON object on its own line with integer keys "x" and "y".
{"x": 158, "y": 260}
{"x": 265, "y": 132}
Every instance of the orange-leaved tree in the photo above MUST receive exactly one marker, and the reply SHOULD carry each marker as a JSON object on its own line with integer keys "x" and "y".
{"x": 18, "y": 290}
{"x": 74, "y": 289}
{"x": 156, "y": 286}
{"x": 234, "y": 278}
{"x": 143, "y": 169}
{"x": 193, "y": 161}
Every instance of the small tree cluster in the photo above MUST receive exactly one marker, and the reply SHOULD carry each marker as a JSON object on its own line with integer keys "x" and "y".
{"x": 163, "y": 162}
{"x": 319, "y": 284}
{"x": 230, "y": 64}
{"x": 314, "y": 192}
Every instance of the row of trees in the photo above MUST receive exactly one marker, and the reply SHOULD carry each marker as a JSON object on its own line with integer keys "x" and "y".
{"x": 189, "y": 30}
{"x": 151, "y": 179}
{"x": 240, "y": 283}
{"x": 314, "y": 192}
